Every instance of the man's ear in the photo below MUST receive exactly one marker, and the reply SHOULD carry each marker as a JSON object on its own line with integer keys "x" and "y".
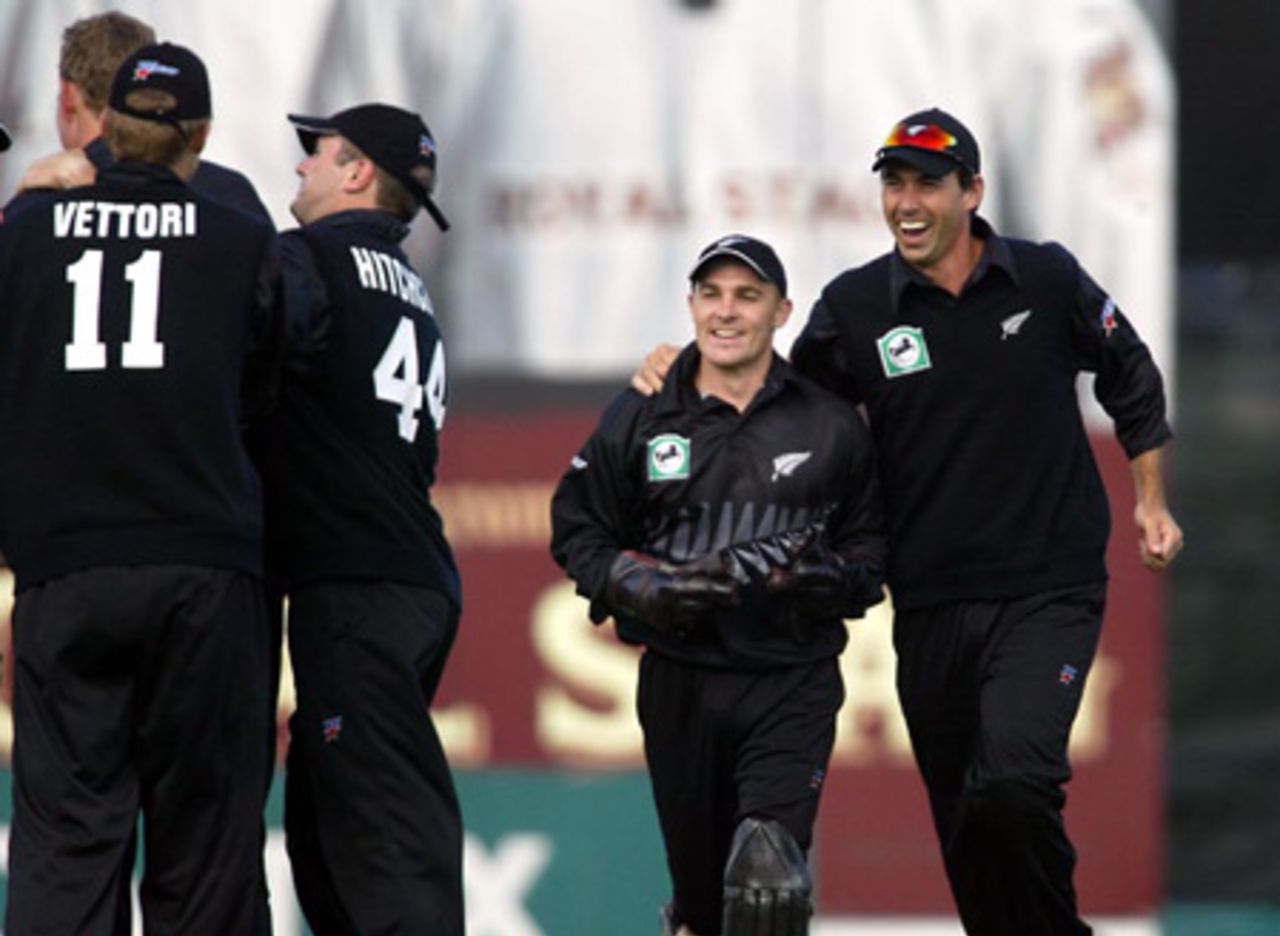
{"x": 69, "y": 98}
{"x": 782, "y": 313}
{"x": 973, "y": 194}
{"x": 200, "y": 139}
{"x": 77, "y": 122}
{"x": 360, "y": 175}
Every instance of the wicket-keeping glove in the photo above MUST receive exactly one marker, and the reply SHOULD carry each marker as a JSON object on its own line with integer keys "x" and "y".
{"x": 666, "y": 596}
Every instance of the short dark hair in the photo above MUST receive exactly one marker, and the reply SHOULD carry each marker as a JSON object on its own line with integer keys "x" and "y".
{"x": 964, "y": 175}
{"x": 93, "y": 49}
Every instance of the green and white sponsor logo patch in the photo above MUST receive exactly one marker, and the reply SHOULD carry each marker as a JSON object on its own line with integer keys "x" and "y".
{"x": 669, "y": 458}
{"x": 903, "y": 351}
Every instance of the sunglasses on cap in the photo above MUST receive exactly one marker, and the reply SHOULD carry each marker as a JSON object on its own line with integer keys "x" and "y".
{"x": 928, "y": 137}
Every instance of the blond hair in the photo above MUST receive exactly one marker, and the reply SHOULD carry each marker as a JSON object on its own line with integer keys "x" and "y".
{"x": 93, "y": 49}
{"x": 152, "y": 141}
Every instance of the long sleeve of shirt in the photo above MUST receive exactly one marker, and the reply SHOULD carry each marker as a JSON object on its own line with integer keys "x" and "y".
{"x": 1128, "y": 385}
{"x": 305, "y": 298}
{"x": 589, "y": 511}
{"x": 858, "y": 526}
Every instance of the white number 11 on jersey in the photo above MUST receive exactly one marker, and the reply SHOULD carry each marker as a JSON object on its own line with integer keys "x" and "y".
{"x": 142, "y": 350}
{"x": 395, "y": 379}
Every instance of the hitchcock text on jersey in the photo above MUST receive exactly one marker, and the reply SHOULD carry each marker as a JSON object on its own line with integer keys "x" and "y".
{"x": 100, "y": 219}
{"x": 383, "y": 272}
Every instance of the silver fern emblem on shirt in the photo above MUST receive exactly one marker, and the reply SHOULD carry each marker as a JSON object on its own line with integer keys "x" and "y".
{"x": 1011, "y": 325}
{"x": 784, "y": 466}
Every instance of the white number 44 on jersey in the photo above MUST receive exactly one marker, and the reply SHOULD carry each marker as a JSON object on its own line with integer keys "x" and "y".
{"x": 395, "y": 380}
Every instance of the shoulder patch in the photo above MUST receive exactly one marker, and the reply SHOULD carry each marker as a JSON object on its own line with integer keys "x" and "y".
{"x": 1107, "y": 317}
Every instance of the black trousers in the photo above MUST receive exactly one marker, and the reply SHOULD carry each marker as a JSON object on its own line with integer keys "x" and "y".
{"x": 990, "y": 691}
{"x": 723, "y": 746}
{"x": 139, "y": 690}
{"x": 373, "y": 827}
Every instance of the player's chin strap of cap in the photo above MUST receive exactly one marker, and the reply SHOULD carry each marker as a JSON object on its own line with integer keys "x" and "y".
{"x": 766, "y": 883}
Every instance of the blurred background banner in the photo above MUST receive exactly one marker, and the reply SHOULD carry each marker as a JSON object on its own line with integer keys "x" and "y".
{"x": 588, "y": 150}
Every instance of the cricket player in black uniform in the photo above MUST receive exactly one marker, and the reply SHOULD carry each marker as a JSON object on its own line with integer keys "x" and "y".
{"x": 729, "y": 525}
{"x": 133, "y": 525}
{"x": 373, "y": 824}
{"x": 965, "y": 347}
{"x": 91, "y": 52}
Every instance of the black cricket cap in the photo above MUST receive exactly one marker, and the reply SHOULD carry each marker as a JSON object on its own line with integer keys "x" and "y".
{"x": 165, "y": 67}
{"x": 932, "y": 141}
{"x": 5, "y": 139}
{"x": 398, "y": 142}
{"x": 756, "y": 254}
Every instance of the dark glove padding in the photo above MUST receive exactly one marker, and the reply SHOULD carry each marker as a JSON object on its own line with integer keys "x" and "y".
{"x": 821, "y": 583}
{"x": 755, "y": 561}
{"x": 665, "y": 596}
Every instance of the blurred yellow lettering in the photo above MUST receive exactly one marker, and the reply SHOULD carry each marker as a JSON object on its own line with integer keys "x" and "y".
{"x": 591, "y": 664}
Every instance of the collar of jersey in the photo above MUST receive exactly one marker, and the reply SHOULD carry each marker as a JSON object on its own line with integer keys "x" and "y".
{"x": 378, "y": 223}
{"x": 995, "y": 256}
{"x": 135, "y": 172}
{"x": 680, "y": 395}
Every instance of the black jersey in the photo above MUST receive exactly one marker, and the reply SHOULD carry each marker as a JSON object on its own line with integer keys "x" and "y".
{"x": 351, "y": 451}
{"x": 991, "y": 489}
{"x": 679, "y": 476}
{"x": 130, "y": 309}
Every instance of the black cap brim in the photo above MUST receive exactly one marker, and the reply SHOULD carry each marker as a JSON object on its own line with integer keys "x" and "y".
{"x": 728, "y": 253}
{"x": 310, "y": 129}
{"x": 934, "y": 165}
{"x": 5, "y": 139}
{"x": 721, "y": 253}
